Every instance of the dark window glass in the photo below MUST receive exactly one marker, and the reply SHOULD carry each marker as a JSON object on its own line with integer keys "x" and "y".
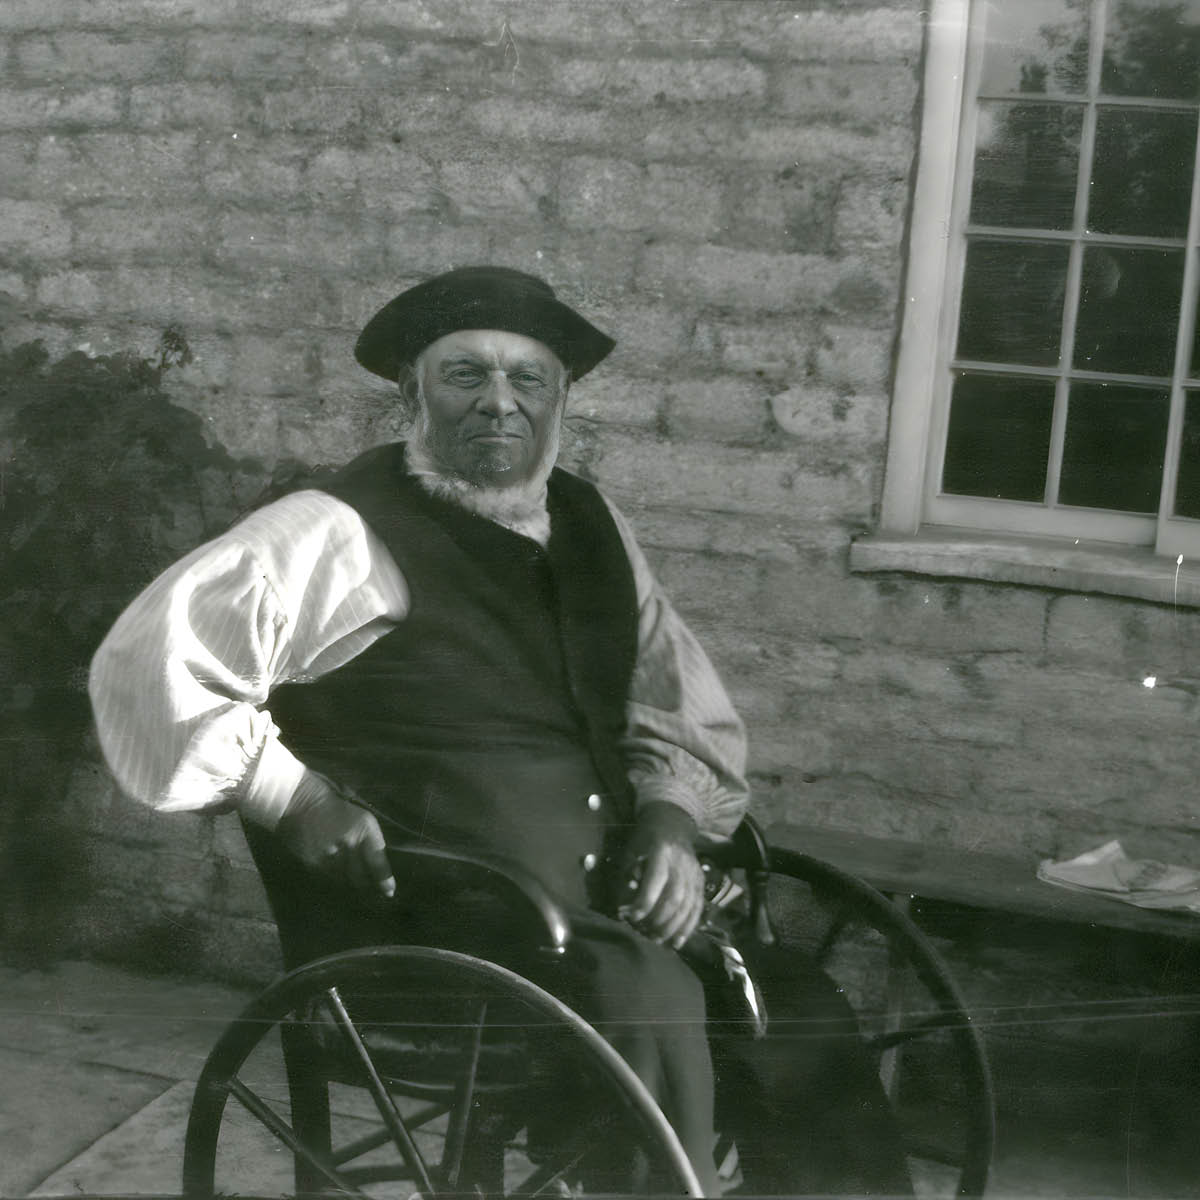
{"x": 1128, "y": 310}
{"x": 1152, "y": 48}
{"x": 1187, "y": 487}
{"x": 1113, "y": 451}
{"x": 999, "y": 437}
{"x": 1142, "y": 173}
{"x": 1026, "y": 164}
{"x": 1035, "y": 46}
{"x": 1012, "y": 302}
{"x": 1194, "y": 368}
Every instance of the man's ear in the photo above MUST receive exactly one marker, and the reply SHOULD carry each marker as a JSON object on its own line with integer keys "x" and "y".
{"x": 406, "y": 378}
{"x": 407, "y": 381}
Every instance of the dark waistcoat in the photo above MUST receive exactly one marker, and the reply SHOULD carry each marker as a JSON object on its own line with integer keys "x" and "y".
{"x": 489, "y": 717}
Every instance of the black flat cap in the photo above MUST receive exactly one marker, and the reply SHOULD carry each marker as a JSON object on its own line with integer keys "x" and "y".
{"x": 478, "y": 298}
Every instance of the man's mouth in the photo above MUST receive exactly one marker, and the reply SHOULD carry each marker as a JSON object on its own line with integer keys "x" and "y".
{"x": 495, "y": 435}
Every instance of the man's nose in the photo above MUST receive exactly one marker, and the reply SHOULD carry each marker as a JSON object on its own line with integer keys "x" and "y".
{"x": 497, "y": 397}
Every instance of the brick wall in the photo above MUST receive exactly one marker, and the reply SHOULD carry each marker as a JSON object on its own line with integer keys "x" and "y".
{"x": 724, "y": 187}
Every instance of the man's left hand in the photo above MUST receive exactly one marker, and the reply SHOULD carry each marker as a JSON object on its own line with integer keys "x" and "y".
{"x": 665, "y": 882}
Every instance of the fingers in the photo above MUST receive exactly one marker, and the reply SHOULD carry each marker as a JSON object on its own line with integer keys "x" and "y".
{"x": 679, "y": 909}
{"x": 364, "y": 858}
{"x": 373, "y": 856}
{"x": 670, "y": 899}
{"x": 336, "y": 837}
{"x": 689, "y": 916}
{"x": 656, "y": 874}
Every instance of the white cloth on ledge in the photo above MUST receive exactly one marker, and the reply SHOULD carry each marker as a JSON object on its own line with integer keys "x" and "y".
{"x": 1109, "y": 871}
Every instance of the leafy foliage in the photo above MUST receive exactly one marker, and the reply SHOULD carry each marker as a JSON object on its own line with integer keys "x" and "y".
{"x": 103, "y": 482}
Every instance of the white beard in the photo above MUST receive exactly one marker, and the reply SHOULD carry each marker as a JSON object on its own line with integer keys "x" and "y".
{"x": 521, "y": 507}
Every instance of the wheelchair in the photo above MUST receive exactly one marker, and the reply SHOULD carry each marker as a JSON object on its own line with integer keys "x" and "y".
{"x": 419, "y": 1071}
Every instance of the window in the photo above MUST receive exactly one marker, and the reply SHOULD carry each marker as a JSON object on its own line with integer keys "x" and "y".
{"x": 1049, "y": 375}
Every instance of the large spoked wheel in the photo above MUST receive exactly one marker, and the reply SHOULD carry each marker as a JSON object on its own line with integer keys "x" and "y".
{"x": 931, "y": 1055}
{"x": 410, "y": 1071}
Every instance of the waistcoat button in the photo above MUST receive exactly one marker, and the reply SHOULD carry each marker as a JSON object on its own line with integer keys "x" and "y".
{"x": 589, "y": 862}
{"x": 594, "y": 802}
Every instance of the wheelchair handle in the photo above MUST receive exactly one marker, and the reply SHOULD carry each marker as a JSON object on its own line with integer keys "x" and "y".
{"x": 748, "y": 849}
{"x": 500, "y": 874}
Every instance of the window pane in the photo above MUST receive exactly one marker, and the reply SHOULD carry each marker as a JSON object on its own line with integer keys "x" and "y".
{"x": 999, "y": 437}
{"x": 1195, "y": 363}
{"x": 1128, "y": 310}
{"x": 1035, "y": 46}
{"x": 1113, "y": 451}
{"x": 1187, "y": 487}
{"x": 1026, "y": 163}
{"x": 1142, "y": 174}
{"x": 1012, "y": 302}
{"x": 1152, "y": 48}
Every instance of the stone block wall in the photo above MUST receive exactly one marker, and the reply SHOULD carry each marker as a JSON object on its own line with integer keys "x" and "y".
{"x": 724, "y": 187}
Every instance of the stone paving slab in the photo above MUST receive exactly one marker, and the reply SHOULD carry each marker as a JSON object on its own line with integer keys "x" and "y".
{"x": 99, "y": 1066}
{"x": 52, "y": 1108}
{"x": 143, "y": 1156}
{"x": 85, "y": 1048}
{"x": 97, "y": 1069}
{"x": 90, "y": 1012}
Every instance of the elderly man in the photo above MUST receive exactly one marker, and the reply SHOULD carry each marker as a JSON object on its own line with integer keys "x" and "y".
{"x": 458, "y": 639}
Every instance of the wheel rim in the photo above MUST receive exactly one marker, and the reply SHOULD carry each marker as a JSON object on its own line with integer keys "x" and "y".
{"x": 458, "y": 1109}
{"x": 855, "y": 905}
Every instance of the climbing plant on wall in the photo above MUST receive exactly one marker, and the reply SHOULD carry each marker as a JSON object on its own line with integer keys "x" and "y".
{"x": 103, "y": 482}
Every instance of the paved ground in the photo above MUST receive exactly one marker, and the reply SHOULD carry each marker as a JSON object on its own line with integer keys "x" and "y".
{"x": 98, "y": 1064}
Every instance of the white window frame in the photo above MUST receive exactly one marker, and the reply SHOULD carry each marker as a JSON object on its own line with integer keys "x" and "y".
{"x": 937, "y": 248}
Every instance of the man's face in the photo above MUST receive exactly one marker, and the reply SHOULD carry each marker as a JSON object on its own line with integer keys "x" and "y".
{"x": 491, "y": 401}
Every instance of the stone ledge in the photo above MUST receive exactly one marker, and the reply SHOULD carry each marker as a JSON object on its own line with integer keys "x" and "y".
{"x": 1063, "y": 564}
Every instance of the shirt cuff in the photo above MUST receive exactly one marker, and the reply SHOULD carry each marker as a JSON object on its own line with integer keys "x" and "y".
{"x": 275, "y": 777}
{"x": 668, "y": 790}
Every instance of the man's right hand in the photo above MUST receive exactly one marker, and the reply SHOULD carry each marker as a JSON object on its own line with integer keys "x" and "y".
{"x": 329, "y": 833}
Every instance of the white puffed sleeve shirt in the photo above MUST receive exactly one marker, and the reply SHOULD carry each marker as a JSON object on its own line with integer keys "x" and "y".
{"x": 181, "y": 686}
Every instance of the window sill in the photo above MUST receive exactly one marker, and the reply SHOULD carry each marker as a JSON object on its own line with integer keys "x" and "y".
{"x": 1066, "y": 565}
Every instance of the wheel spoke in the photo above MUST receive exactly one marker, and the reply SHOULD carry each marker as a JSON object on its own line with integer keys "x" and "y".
{"x": 914, "y": 1033}
{"x": 372, "y": 1141}
{"x": 384, "y": 1173}
{"x": 486, "y": 1110}
{"x": 379, "y": 1093}
{"x": 464, "y": 1096}
{"x": 570, "y": 1154}
{"x": 837, "y": 927}
{"x": 547, "y": 1173}
{"x": 258, "y": 1108}
{"x": 362, "y": 1145}
{"x": 934, "y": 1152}
{"x": 920, "y": 1001}
{"x": 890, "y": 1049}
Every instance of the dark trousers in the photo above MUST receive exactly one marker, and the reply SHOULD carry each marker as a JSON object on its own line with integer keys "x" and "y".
{"x": 804, "y": 1104}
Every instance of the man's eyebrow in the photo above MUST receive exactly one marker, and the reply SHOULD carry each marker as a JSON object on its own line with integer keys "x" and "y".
{"x": 472, "y": 360}
{"x": 459, "y": 360}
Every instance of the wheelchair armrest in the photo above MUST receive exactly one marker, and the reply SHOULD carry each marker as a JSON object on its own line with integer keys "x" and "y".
{"x": 498, "y": 874}
{"x": 747, "y": 849}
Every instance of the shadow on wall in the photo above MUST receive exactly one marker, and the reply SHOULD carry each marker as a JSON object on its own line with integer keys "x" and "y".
{"x": 103, "y": 482}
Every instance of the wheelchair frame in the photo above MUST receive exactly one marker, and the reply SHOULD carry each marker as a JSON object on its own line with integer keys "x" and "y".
{"x": 469, "y": 1160}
